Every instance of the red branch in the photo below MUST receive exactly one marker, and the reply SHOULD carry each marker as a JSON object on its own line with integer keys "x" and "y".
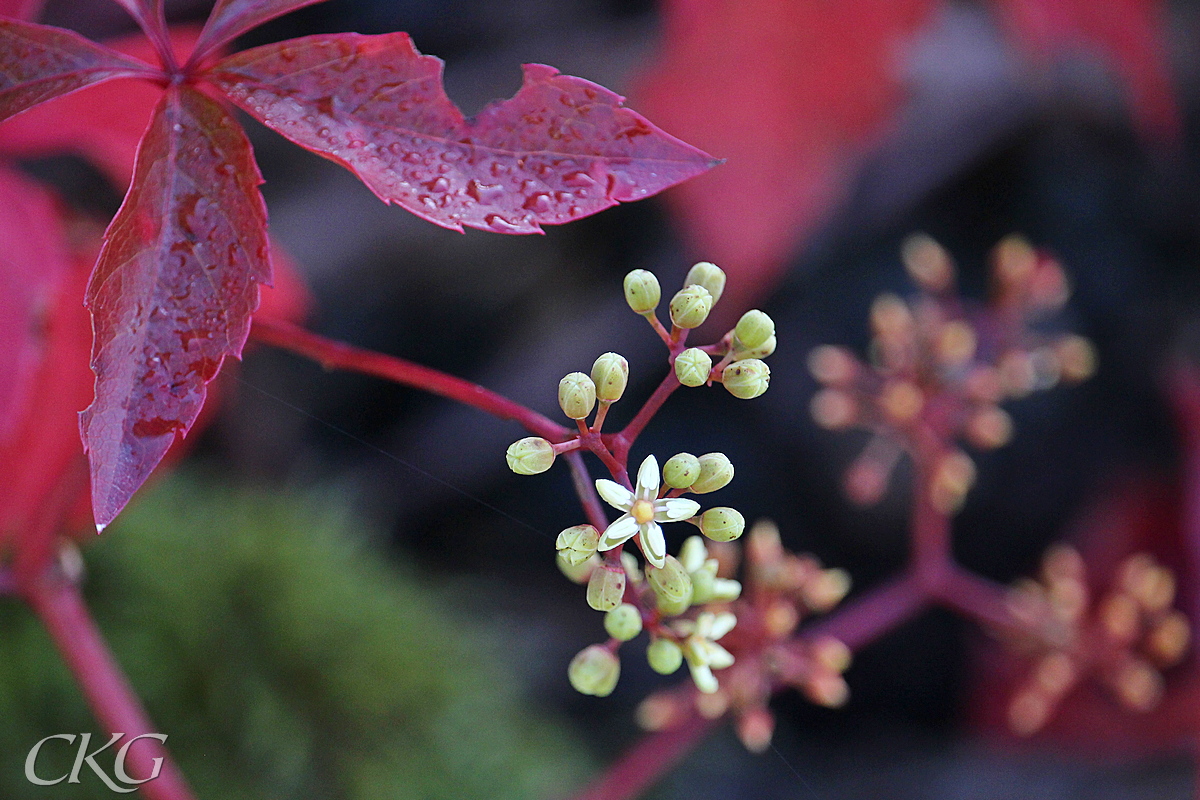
{"x": 586, "y": 489}
{"x": 59, "y": 605}
{"x": 652, "y": 757}
{"x": 332, "y": 354}
{"x": 623, "y": 441}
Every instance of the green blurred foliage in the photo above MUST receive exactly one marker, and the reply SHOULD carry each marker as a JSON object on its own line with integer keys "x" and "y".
{"x": 284, "y": 658}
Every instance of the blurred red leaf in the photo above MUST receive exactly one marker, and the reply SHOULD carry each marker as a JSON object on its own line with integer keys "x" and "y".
{"x": 33, "y": 262}
{"x": 38, "y": 62}
{"x": 562, "y": 148}
{"x": 232, "y": 18}
{"x": 173, "y": 290}
{"x": 813, "y": 84}
{"x": 1127, "y": 32}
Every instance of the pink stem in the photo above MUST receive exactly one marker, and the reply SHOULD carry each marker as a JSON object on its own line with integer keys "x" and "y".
{"x": 979, "y": 599}
{"x": 59, "y": 605}
{"x": 653, "y": 756}
{"x": 586, "y": 489}
{"x": 868, "y": 617}
{"x": 331, "y": 354}
{"x": 623, "y": 441}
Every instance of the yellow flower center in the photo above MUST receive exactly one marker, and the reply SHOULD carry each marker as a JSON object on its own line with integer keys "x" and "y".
{"x": 642, "y": 511}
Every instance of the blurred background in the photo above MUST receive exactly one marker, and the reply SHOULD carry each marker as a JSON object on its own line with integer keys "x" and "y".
{"x": 846, "y": 126}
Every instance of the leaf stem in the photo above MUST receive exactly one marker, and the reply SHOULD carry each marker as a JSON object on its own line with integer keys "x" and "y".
{"x": 586, "y": 489}
{"x": 59, "y": 604}
{"x": 332, "y": 354}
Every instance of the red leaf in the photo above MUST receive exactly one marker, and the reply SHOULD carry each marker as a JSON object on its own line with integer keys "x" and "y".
{"x": 562, "y": 148}
{"x": 790, "y": 93}
{"x": 103, "y": 123}
{"x": 38, "y": 62}
{"x": 232, "y": 18}
{"x": 173, "y": 290}
{"x": 1130, "y": 33}
{"x": 33, "y": 262}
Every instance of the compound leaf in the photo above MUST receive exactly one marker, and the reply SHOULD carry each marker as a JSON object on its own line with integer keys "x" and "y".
{"x": 560, "y": 149}
{"x": 173, "y": 290}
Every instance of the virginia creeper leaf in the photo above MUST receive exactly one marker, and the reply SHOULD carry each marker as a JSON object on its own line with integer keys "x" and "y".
{"x": 173, "y": 290}
{"x": 103, "y": 123}
{"x": 232, "y": 18}
{"x": 560, "y": 149}
{"x": 33, "y": 261}
{"x": 38, "y": 62}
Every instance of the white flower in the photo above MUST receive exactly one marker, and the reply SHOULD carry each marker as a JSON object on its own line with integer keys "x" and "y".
{"x": 701, "y": 650}
{"x": 643, "y": 511}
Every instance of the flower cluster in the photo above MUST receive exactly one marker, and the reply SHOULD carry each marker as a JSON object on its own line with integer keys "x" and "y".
{"x": 782, "y": 589}
{"x": 938, "y": 369}
{"x": 680, "y": 602}
{"x": 1124, "y": 639}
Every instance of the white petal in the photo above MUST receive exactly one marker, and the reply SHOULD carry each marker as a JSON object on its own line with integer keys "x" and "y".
{"x": 614, "y": 494}
{"x": 704, "y": 679}
{"x": 675, "y": 509}
{"x": 647, "y": 482}
{"x": 622, "y": 528}
{"x": 722, "y": 625}
{"x": 719, "y": 657}
{"x": 654, "y": 545}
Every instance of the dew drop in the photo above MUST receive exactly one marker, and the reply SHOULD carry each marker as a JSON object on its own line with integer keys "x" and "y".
{"x": 486, "y": 193}
{"x": 500, "y": 224}
{"x": 578, "y": 180}
{"x": 439, "y": 185}
{"x": 539, "y": 203}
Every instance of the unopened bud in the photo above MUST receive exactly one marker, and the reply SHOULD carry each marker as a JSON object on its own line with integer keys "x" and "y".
{"x": 595, "y": 671}
{"x": 1138, "y": 685}
{"x": 746, "y": 379}
{"x": 1015, "y": 260}
{"x": 576, "y": 573}
{"x": 624, "y": 622}
{"x": 927, "y": 263}
{"x": 708, "y": 275}
{"x": 722, "y": 524}
{"x": 831, "y": 654}
{"x": 576, "y": 395}
{"x": 755, "y": 727}
{"x": 956, "y": 343}
{"x": 716, "y": 471}
{"x": 577, "y": 544}
{"x": 530, "y": 456}
{"x": 664, "y": 656}
{"x": 692, "y": 367}
{"x": 989, "y": 427}
{"x": 1167, "y": 642}
{"x": 681, "y": 470}
{"x": 953, "y": 478}
{"x": 671, "y": 582}
{"x": 901, "y": 400}
{"x": 891, "y": 317}
{"x": 762, "y": 351}
{"x": 753, "y": 329}
{"x": 605, "y": 588}
{"x": 832, "y": 366}
{"x": 610, "y": 374}
{"x": 642, "y": 291}
{"x": 826, "y": 589}
{"x": 690, "y": 306}
{"x": 833, "y": 409}
{"x": 1077, "y": 357}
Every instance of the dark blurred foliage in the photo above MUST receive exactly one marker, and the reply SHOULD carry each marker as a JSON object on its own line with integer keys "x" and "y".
{"x": 975, "y": 155}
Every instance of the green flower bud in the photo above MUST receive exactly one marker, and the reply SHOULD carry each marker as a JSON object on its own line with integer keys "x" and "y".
{"x": 754, "y": 328}
{"x": 681, "y": 470}
{"x": 624, "y": 622}
{"x": 693, "y": 554}
{"x": 671, "y": 581}
{"x": 703, "y": 581}
{"x": 530, "y": 455}
{"x": 716, "y": 471}
{"x": 664, "y": 656}
{"x": 610, "y": 373}
{"x": 577, "y": 544}
{"x": 722, "y": 524}
{"x": 690, "y": 306}
{"x": 708, "y": 275}
{"x": 632, "y": 571}
{"x": 725, "y": 590}
{"x": 642, "y": 291}
{"x": 595, "y": 671}
{"x": 692, "y": 367}
{"x": 670, "y": 607}
{"x": 762, "y": 351}
{"x": 605, "y": 588}
{"x": 576, "y": 573}
{"x": 576, "y": 395}
{"x": 747, "y": 379}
